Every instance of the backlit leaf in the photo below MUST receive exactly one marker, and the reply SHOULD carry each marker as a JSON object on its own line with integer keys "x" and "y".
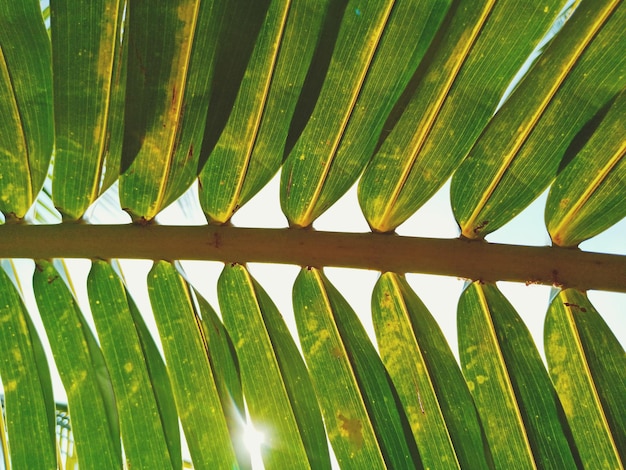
{"x": 171, "y": 48}
{"x": 276, "y": 385}
{"x": 588, "y": 367}
{"x": 85, "y": 42}
{"x": 590, "y": 195}
{"x": 510, "y": 385}
{"x": 479, "y": 49}
{"x": 427, "y": 377}
{"x": 161, "y": 384}
{"x": 26, "y": 124}
{"x": 140, "y": 424}
{"x": 225, "y": 367}
{"x": 185, "y": 350}
{"x": 29, "y": 412}
{"x": 519, "y": 153}
{"x": 251, "y": 146}
{"x": 82, "y": 369}
{"x": 364, "y": 423}
{"x": 378, "y": 48}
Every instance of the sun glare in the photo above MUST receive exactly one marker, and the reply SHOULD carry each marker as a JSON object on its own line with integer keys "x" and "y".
{"x": 253, "y": 439}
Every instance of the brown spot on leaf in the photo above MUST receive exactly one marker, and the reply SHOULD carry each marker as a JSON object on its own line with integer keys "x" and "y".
{"x": 190, "y": 153}
{"x": 481, "y": 226}
{"x": 352, "y": 428}
{"x": 575, "y": 306}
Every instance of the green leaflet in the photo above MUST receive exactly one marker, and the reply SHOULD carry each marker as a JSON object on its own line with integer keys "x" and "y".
{"x": 519, "y": 153}
{"x": 364, "y": 423}
{"x": 85, "y": 50}
{"x": 515, "y": 399}
{"x": 276, "y": 385}
{"x": 463, "y": 81}
{"x": 161, "y": 384}
{"x": 141, "y": 427}
{"x": 27, "y": 387}
{"x": 82, "y": 369}
{"x": 251, "y": 147}
{"x": 115, "y": 126}
{"x": 377, "y": 51}
{"x": 588, "y": 367}
{"x": 427, "y": 377}
{"x": 26, "y": 124}
{"x": 590, "y": 195}
{"x": 225, "y": 367}
{"x": 184, "y": 346}
{"x": 170, "y": 56}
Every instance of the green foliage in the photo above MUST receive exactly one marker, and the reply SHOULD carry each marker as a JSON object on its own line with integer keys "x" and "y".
{"x": 146, "y": 100}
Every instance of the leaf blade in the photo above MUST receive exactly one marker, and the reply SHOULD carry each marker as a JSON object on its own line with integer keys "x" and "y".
{"x": 430, "y": 385}
{"x": 377, "y": 51}
{"x": 588, "y": 197}
{"x": 269, "y": 360}
{"x": 196, "y": 395}
{"x": 463, "y": 81}
{"x": 509, "y": 383}
{"x": 29, "y": 413}
{"x": 120, "y": 343}
{"x": 167, "y": 100}
{"x": 363, "y": 423}
{"x": 251, "y": 146}
{"x": 586, "y": 363}
{"x": 26, "y": 121}
{"x": 85, "y": 37}
{"x": 82, "y": 371}
{"x": 519, "y": 152}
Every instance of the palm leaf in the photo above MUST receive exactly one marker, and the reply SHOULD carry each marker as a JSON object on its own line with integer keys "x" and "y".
{"x": 142, "y": 433}
{"x": 82, "y": 368}
{"x": 167, "y": 87}
{"x": 372, "y": 62}
{"x": 251, "y": 146}
{"x": 587, "y": 197}
{"x": 429, "y": 382}
{"x": 509, "y": 383}
{"x": 197, "y": 401}
{"x": 577, "y": 339}
{"x": 457, "y": 94}
{"x": 519, "y": 152}
{"x": 26, "y": 135}
{"x": 278, "y": 390}
{"x": 28, "y": 395}
{"x": 142, "y": 101}
{"x": 364, "y": 425}
{"x": 83, "y": 87}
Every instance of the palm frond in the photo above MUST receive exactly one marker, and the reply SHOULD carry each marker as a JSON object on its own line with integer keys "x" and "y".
{"x": 139, "y": 103}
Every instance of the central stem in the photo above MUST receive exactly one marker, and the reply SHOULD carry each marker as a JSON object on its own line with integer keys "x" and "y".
{"x": 476, "y": 260}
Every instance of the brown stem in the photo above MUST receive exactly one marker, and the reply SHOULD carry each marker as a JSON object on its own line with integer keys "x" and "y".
{"x": 450, "y": 257}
